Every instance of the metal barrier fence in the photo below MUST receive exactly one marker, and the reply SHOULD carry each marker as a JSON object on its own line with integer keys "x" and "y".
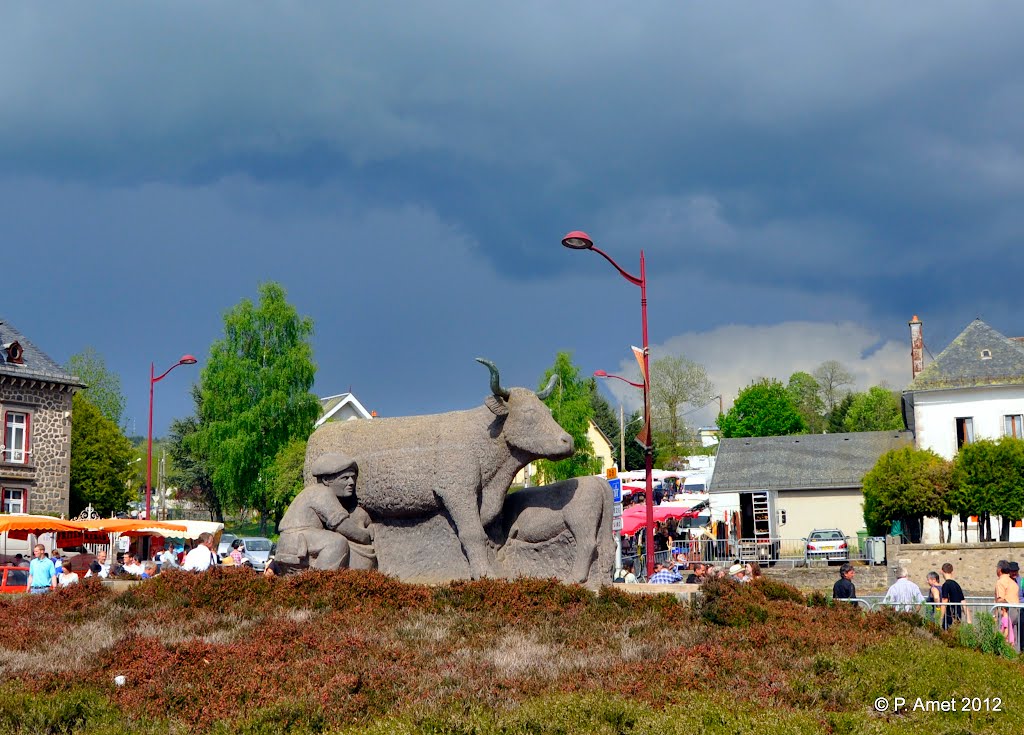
{"x": 775, "y": 551}
{"x": 1001, "y": 613}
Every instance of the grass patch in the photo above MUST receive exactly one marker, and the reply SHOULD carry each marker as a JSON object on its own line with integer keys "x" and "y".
{"x": 233, "y": 652}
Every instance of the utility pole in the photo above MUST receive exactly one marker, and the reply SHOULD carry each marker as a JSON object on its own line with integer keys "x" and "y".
{"x": 622, "y": 439}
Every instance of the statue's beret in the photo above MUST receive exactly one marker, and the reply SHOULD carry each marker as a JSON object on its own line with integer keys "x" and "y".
{"x": 331, "y": 463}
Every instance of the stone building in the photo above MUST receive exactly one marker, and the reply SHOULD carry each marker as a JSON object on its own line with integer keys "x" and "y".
{"x": 35, "y": 408}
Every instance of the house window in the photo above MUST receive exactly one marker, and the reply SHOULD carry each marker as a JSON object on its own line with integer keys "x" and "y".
{"x": 1013, "y": 425}
{"x": 14, "y": 500}
{"x": 16, "y": 427}
{"x": 964, "y": 432}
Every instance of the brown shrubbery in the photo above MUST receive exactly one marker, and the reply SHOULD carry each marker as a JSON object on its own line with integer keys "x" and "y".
{"x": 233, "y": 650}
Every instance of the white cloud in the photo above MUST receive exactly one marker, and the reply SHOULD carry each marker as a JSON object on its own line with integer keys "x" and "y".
{"x": 736, "y": 354}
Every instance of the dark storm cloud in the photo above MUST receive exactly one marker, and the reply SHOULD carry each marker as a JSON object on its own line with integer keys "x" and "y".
{"x": 398, "y": 165}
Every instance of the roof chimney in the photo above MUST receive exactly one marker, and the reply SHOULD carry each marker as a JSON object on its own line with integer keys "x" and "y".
{"x": 916, "y": 347}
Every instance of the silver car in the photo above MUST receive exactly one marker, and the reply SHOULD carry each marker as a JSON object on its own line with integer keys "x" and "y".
{"x": 258, "y": 551}
{"x": 828, "y": 543}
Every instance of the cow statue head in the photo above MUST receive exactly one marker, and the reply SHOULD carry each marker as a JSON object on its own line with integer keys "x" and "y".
{"x": 528, "y": 426}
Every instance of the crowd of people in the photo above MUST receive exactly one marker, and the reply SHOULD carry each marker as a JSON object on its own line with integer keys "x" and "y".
{"x": 682, "y": 571}
{"x": 46, "y": 572}
{"x": 947, "y": 596}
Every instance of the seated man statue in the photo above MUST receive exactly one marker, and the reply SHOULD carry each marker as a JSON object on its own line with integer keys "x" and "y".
{"x": 324, "y": 527}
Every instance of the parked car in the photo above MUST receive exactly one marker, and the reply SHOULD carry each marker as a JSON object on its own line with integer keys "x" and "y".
{"x": 827, "y": 543}
{"x": 258, "y": 550}
{"x": 13, "y": 579}
{"x": 224, "y": 547}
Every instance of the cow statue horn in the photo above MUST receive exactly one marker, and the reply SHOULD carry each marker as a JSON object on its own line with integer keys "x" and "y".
{"x": 544, "y": 394}
{"x": 496, "y": 388}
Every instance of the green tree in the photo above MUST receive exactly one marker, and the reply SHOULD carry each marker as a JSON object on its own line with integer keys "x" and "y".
{"x": 636, "y": 458}
{"x": 907, "y": 485}
{"x": 606, "y": 418}
{"x": 255, "y": 397}
{"x": 832, "y": 377}
{"x": 190, "y": 472}
{"x": 763, "y": 408}
{"x": 103, "y": 387}
{"x": 676, "y": 383}
{"x": 836, "y": 418}
{"x": 989, "y": 480}
{"x": 876, "y": 410}
{"x": 285, "y": 481}
{"x": 805, "y": 393}
{"x": 570, "y": 405}
{"x": 100, "y": 461}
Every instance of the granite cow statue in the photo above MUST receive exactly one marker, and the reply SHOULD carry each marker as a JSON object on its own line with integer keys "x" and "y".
{"x": 461, "y": 462}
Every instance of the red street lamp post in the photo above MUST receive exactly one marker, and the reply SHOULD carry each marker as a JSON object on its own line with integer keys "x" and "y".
{"x": 185, "y": 360}
{"x": 578, "y": 240}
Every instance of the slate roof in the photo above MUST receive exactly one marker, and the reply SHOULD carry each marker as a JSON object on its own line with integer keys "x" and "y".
{"x": 803, "y": 462}
{"x": 961, "y": 365}
{"x": 37, "y": 364}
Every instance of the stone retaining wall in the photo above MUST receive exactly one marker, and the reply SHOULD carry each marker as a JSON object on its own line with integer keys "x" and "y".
{"x": 973, "y": 564}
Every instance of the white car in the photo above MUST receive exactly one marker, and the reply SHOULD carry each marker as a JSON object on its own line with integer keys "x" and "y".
{"x": 258, "y": 551}
{"x": 828, "y": 543}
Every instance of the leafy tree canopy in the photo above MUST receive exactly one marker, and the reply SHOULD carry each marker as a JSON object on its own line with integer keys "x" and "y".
{"x": 832, "y": 377}
{"x": 989, "y": 478}
{"x": 190, "y": 472}
{"x": 805, "y": 394}
{"x": 104, "y": 387}
{"x": 905, "y": 483}
{"x": 677, "y": 382}
{"x": 763, "y": 408}
{"x": 255, "y": 397}
{"x": 836, "y": 418}
{"x": 876, "y": 410}
{"x": 285, "y": 477}
{"x": 100, "y": 461}
{"x": 570, "y": 404}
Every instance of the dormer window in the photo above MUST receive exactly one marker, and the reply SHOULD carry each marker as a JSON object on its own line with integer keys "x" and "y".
{"x": 986, "y": 354}
{"x": 14, "y": 353}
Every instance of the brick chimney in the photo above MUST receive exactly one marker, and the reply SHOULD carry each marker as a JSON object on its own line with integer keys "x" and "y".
{"x": 916, "y": 347}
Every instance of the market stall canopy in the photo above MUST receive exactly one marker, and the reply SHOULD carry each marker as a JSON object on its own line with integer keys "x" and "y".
{"x": 130, "y": 526}
{"x": 189, "y": 529}
{"x": 20, "y": 525}
{"x": 635, "y": 517}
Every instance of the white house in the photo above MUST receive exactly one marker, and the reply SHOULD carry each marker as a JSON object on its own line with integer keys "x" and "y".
{"x": 974, "y": 389}
{"x": 342, "y": 407}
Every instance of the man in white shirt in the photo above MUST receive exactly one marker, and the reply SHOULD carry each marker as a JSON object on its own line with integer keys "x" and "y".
{"x": 168, "y": 559}
{"x": 201, "y": 557}
{"x": 132, "y": 566}
{"x": 903, "y": 595}
{"x": 101, "y": 559}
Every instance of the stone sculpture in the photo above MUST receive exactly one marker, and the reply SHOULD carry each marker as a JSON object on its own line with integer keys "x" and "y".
{"x": 324, "y": 528}
{"x": 540, "y": 522}
{"x": 423, "y": 476}
{"x": 436, "y": 490}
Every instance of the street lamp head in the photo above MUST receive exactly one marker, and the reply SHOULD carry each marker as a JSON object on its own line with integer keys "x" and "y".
{"x": 187, "y": 360}
{"x": 578, "y": 240}
{"x": 600, "y": 374}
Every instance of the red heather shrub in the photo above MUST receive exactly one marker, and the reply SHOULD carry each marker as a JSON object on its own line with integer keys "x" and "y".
{"x": 512, "y": 600}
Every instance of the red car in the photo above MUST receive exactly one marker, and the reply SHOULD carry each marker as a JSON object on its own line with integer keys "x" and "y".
{"x": 13, "y": 580}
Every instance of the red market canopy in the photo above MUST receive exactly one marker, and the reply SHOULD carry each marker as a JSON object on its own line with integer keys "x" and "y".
{"x": 635, "y": 517}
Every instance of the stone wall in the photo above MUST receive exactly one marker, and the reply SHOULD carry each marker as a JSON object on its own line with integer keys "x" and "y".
{"x": 973, "y": 564}
{"x": 47, "y": 475}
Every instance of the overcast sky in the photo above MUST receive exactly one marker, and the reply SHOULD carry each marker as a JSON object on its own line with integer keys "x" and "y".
{"x": 804, "y": 178}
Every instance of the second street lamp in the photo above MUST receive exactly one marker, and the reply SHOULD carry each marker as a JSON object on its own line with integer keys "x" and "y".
{"x": 579, "y": 240}
{"x": 185, "y": 360}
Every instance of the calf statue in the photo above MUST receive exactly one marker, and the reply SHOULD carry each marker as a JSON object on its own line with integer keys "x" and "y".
{"x": 444, "y": 472}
